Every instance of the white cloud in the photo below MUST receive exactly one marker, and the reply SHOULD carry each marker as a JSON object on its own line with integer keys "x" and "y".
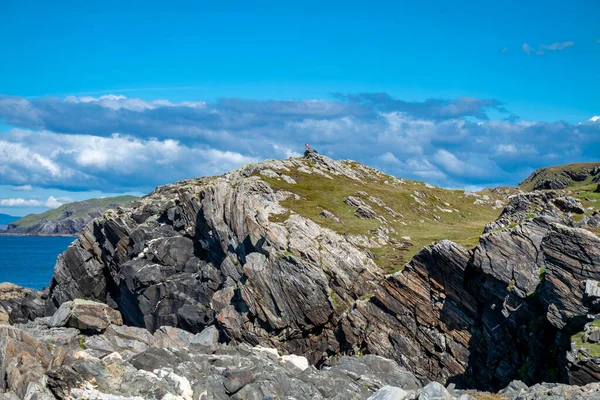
{"x": 557, "y": 45}
{"x": 118, "y": 102}
{"x": 287, "y": 152}
{"x": 506, "y": 149}
{"x": 166, "y": 143}
{"x": 24, "y": 188}
{"x": 389, "y": 158}
{"x": 450, "y": 162}
{"x": 51, "y": 202}
{"x": 527, "y": 49}
{"x": 118, "y": 162}
{"x": 19, "y": 202}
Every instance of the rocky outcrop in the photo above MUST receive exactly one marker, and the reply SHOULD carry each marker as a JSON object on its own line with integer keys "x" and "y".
{"x": 485, "y": 317}
{"x": 223, "y": 254}
{"x": 561, "y": 177}
{"x": 205, "y": 252}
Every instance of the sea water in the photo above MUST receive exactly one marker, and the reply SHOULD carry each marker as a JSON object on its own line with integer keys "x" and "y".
{"x": 29, "y": 260}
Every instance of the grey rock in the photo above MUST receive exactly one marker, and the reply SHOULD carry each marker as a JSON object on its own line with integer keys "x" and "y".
{"x": 514, "y": 388}
{"x": 434, "y": 391}
{"x": 569, "y": 204}
{"x": 85, "y": 315}
{"x": 354, "y": 201}
{"x": 329, "y": 215}
{"x": 170, "y": 337}
{"x": 209, "y": 337}
{"x": 365, "y": 212}
{"x": 390, "y": 393}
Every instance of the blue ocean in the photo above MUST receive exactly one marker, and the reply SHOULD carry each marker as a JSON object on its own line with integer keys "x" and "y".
{"x": 29, "y": 260}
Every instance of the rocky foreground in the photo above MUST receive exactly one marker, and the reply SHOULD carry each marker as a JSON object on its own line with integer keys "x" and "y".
{"x": 238, "y": 258}
{"x": 84, "y": 352}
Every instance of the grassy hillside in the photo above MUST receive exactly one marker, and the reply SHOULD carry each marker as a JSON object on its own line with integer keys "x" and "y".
{"x": 426, "y": 213}
{"x": 80, "y": 209}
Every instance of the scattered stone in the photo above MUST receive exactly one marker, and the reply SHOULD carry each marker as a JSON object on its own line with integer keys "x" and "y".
{"x": 288, "y": 179}
{"x": 365, "y": 212}
{"x": 329, "y": 215}
{"x": 354, "y": 201}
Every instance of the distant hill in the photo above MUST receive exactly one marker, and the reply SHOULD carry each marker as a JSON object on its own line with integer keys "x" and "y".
{"x": 68, "y": 219}
{"x": 6, "y": 219}
{"x": 581, "y": 176}
{"x": 581, "y": 181}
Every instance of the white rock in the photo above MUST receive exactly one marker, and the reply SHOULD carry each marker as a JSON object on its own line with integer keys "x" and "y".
{"x": 299, "y": 362}
{"x": 266, "y": 349}
{"x": 390, "y": 393}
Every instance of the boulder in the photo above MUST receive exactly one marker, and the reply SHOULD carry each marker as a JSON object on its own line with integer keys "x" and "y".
{"x": 390, "y": 393}
{"x": 85, "y": 315}
{"x": 434, "y": 391}
{"x": 209, "y": 337}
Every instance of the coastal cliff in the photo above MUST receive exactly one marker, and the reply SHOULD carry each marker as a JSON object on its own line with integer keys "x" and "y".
{"x": 329, "y": 259}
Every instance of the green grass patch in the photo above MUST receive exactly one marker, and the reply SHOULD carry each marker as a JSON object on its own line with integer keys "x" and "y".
{"x": 423, "y": 223}
{"x": 593, "y": 349}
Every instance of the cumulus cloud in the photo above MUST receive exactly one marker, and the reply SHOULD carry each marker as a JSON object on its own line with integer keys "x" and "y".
{"x": 51, "y": 202}
{"x": 87, "y": 162}
{"x": 113, "y": 143}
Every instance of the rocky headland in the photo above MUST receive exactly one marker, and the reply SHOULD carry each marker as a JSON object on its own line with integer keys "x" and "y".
{"x": 66, "y": 220}
{"x": 315, "y": 278}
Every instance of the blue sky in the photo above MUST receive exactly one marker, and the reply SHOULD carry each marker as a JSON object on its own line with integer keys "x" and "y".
{"x": 107, "y": 98}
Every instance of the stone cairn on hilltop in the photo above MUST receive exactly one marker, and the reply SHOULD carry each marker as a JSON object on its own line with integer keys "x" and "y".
{"x": 309, "y": 151}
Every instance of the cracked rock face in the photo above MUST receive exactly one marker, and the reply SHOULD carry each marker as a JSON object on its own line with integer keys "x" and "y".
{"x": 205, "y": 252}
